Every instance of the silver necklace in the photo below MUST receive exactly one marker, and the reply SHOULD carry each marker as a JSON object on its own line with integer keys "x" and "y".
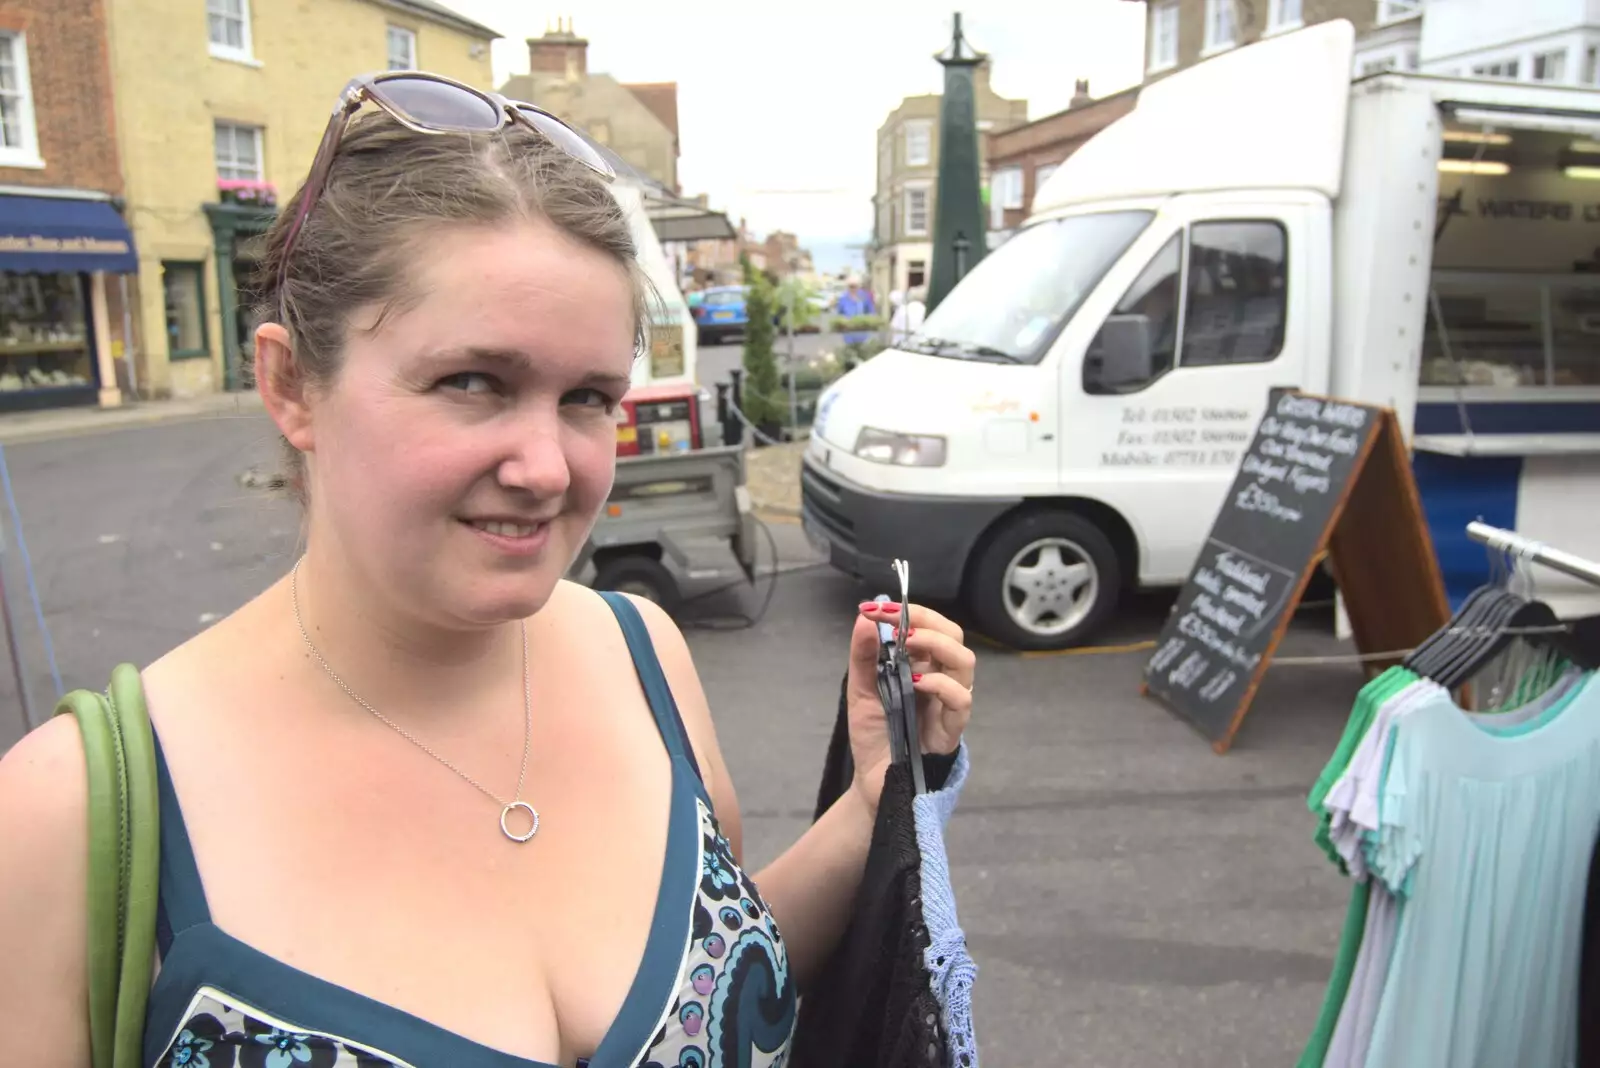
{"x": 506, "y": 807}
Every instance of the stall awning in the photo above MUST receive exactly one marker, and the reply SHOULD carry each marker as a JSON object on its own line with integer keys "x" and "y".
{"x": 684, "y": 220}
{"x": 44, "y": 235}
{"x": 705, "y": 226}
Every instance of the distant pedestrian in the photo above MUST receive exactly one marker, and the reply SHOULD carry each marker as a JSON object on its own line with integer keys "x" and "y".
{"x": 909, "y": 312}
{"x": 856, "y": 301}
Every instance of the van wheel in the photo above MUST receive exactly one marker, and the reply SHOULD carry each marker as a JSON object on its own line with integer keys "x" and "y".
{"x": 641, "y": 576}
{"x": 1048, "y": 580}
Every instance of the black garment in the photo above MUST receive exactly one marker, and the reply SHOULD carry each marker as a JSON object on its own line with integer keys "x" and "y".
{"x": 873, "y": 1005}
{"x": 1589, "y": 972}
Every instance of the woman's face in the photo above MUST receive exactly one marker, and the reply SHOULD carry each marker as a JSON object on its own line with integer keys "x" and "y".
{"x": 468, "y": 443}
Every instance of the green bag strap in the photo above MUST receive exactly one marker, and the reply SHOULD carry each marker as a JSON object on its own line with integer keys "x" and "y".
{"x": 144, "y": 865}
{"x": 106, "y": 806}
{"x": 124, "y": 859}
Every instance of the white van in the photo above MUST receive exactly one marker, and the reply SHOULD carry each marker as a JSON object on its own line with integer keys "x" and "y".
{"x": 1064, "y": 425}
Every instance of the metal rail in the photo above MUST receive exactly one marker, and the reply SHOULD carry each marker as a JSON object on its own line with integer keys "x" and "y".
{"x": 1536, "y": 551}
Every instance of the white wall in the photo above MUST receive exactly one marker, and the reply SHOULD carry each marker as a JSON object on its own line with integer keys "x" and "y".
{"x": 1572, "y": 42}
{"x": 1554, "y": 505}
{"x": 1452, "y": 27}
{"x": 1544, "y": 221}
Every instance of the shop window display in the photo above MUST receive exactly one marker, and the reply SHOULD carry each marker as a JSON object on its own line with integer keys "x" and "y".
{"x": 184, "y": 293}
{"x": 44, "y": 334}
{"x": 1510, "y": 332}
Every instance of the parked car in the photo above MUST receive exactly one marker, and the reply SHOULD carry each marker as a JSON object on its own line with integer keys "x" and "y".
{"x": 721, "y": 313}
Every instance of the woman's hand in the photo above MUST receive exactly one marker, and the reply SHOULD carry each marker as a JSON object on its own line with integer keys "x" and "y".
{"x": 942, "y": 669}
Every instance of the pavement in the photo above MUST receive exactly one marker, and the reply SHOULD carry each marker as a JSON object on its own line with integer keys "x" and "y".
{"x": 61, "y": 422}
{"x": 1132, "y": 900}
{"x": 772, "y": 473}
{"x": 714, "y": 362}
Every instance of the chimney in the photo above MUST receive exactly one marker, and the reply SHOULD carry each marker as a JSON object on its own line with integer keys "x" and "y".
{"x": 559, "y": 51}
{"x": 1080, "y": 95}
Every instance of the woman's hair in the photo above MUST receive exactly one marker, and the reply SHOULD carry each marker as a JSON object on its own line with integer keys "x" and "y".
{"x": 389, "y": 188}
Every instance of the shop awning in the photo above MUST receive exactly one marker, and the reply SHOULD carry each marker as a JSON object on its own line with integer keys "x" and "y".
{"x": 675, "y": 219}
{"x": 45, "y": 235}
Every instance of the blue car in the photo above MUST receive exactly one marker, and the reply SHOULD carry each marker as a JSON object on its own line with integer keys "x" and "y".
{"x": 721, "y": 313}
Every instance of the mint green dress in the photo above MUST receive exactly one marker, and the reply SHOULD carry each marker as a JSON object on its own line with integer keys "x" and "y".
{"x": 1485, "y": 835}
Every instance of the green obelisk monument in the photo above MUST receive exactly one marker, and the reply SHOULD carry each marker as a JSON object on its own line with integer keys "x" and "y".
{"x": 960, "y": 237}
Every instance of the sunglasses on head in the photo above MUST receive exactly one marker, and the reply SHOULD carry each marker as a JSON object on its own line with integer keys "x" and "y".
{"x": 429, "y": 103}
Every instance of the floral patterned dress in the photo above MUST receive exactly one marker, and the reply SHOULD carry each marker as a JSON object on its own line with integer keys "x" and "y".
{"x": 713, "y": 989}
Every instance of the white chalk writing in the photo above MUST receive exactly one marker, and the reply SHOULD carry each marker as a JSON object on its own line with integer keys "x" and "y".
{"x": 1255, "y": 499}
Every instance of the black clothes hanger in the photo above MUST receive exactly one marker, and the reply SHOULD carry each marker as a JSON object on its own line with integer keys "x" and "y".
{"x": 1474, "y": 625}
{"x": 895, "y": 689}
{"x": 1428, "y": 651}
{"x": 1537, "y": 624}
{"x": 1420, "y": 655}
{"x": 1480, "y": 639}
{"x": 1515, "y": 619}
{"x": 1463, "y": 632}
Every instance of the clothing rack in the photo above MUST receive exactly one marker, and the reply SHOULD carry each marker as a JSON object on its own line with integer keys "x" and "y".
{"x": 1536, "y": 551}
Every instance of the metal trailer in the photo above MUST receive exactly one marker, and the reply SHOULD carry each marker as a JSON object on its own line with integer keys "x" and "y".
{"x": 659, "y": 506}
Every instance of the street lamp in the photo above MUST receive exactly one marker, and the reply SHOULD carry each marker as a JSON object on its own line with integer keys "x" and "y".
{"x": 961, "y": 246}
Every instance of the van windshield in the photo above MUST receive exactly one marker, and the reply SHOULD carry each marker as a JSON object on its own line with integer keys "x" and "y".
{"x": 1011, "y": 306}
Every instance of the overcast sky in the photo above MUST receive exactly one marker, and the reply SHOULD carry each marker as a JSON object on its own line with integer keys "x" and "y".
{"x": 778, "y": 98}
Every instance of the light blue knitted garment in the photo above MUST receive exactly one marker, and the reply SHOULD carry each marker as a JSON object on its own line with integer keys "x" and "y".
{"x": 951, "y": 969}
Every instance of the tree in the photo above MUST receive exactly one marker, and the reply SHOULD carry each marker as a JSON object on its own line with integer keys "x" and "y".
{"x": 794, "y": 296}
{"x": 762, "y": 388}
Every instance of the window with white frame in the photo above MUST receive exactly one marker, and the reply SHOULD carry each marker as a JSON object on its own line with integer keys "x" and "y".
{"x": 239, "y": 152}
{"x": 1163, "y": 36}
{"x": 919, "y": 142}
{"x": 1005, "y": 191}
{"x": 229, "y": 22}
{"x": 19, "y": 139}
{"x": 1591, "y": 65}
{"x": 1221, "y": 29}
{"x": 1506, "y": 68}
{"x": 1285, "y": 15}
{"x": 1413, "y": 59}
{"x": 1395, "y": 10}
{"x": 916, "y": 209}
{"x": 402, "y": 48}
{"x": 1550, "y": 66}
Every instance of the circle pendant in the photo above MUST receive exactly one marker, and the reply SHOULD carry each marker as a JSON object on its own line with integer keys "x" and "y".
{"x": 532, "y": 813}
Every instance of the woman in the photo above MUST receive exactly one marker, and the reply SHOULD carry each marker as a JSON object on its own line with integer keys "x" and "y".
{"x": 423, "y": 801}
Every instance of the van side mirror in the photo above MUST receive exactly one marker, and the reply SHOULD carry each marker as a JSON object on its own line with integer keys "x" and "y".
{"x": 1122, "y": 355}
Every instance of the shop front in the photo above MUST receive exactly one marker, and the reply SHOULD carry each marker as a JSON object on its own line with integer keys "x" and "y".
{"x": 1507, "y": 422}
{"x": 237, "y": 236}
{"x": 56, "y": 251}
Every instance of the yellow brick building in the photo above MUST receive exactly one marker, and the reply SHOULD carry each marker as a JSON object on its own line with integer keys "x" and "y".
{"x": 239, "y": 90}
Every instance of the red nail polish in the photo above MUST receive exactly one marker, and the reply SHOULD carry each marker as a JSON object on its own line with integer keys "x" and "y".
{"x": 867, "y": 606}
{"x": 889, "y": 606}
{"x": 916, "y": 678}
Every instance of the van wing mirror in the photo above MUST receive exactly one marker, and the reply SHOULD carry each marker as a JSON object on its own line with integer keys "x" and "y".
{"x": 1123, "y": 353}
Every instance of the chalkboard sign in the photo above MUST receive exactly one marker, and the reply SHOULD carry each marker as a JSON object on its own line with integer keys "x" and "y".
{"x": 1307, "y": 458}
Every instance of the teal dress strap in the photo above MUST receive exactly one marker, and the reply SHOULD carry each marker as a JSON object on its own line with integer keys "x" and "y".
{"x": 654, "y": 680}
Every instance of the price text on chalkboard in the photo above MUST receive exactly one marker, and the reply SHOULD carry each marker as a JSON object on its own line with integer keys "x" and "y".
{"x": 1274, "y": 524}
